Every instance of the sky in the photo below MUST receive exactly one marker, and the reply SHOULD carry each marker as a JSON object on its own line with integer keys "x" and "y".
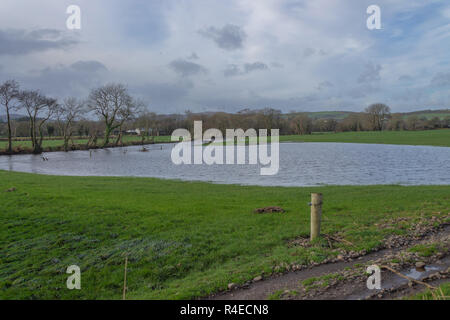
{"x": 216, "y": 55}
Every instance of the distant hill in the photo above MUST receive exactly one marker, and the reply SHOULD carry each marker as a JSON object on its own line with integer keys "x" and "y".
{"x": 340, "y": 115}
{"x": 336, "y": 115}
{"x": 13, "y": 116}
{"x": 428, "y": 114}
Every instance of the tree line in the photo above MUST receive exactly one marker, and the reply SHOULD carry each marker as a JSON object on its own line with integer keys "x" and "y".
{"x": 112, "y": 104}
{"x": 110, "y": 111}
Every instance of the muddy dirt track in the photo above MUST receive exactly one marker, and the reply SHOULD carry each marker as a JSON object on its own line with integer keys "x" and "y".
{"x": 346, "y": 280}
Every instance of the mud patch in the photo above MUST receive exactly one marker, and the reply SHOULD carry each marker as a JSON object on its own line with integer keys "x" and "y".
{"x": 346, "y": 278}
{"x": 269, "y": 210}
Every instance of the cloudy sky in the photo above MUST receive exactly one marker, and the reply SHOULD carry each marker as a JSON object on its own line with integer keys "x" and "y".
{"x": 216, "y": 55}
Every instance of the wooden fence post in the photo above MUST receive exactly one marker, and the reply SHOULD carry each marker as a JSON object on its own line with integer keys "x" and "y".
{"x": 316, "y": 214}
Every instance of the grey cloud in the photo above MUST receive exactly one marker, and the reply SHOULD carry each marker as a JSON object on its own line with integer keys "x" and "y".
{"x": 230, "y": 37}
{"x": 193, "y": 56}
{"x": 307, "y": 52}
{"x": 186, "y": 68}
{"x": 405, "y": 77}
{"x": 249, "y": 67}
{"x": 324, "y": 85}
{"x": 441, "y": 79}
{"x": 416, "y": 95}
{"x": 164, "y": 96}
{"x": 234, "y": 70}
{"x": 61, "y": 81}
{"x": 277, "y": 65}
{"x": 88, "y": 66}
{"x": 15, "y": 41}
{"x": 362, "y": 91}
{"x": 371, "y": 73}
{"x": 256, "y": 101}
{"x": 48, "y": 34}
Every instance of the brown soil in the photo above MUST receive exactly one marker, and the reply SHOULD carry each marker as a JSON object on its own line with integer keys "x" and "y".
{"x": 269, "y": 210}
{"x": 347, "y": 278}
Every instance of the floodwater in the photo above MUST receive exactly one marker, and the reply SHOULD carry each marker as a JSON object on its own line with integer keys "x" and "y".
{"x": 301, "y": 164}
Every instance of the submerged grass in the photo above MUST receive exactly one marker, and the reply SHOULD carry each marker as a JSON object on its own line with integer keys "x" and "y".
{"x": 426, "y": 137}
{"x": 26, "y": 144}
{"x": 182, "y": 239}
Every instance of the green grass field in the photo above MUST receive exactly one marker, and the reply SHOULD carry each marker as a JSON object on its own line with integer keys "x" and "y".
{"x": 183, "y": 239}
{"x": 427, "y": 137}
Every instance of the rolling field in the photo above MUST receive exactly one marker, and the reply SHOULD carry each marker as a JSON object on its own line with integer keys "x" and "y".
{"x": 182, "y": 239}
{"x": 427, "y": 137}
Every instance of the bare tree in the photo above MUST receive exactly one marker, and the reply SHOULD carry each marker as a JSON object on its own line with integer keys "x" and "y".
{"x": 66, "y": 114}
{"x": 446, "y": 122}
{"x": 269, "y": 118}
{"x": 39, "y": 109}
{"x": 114, "y": 105}
{"x": 93, "y": 129}
{"x": 9, "y": 92}
{"x": 147, "y": 121}
{"x": 353, "y": 122}
{"x": 378, "y": 113}
{"x": 325, "y": 125}
{"x": 220, "y": 120}
{"x": 396, "y": 122}
{"x": 434, "y": 123}
{"x": 127, "y": 113}
{"x": 301, "y": 124}
{"x": 413, "y": 123}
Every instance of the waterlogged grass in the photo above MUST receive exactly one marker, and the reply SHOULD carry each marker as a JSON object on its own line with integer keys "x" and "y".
{"x": 182, "y": 239}
{"x": 441, "y": 293}
{"x": 59, "y": 142}
{"x": 425, "y": 250}
{"x": 427, "y": 137}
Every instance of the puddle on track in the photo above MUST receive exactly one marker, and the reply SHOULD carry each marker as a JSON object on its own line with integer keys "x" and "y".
{"x": 390, "y": 280}
{"x": 419, "y": 274}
